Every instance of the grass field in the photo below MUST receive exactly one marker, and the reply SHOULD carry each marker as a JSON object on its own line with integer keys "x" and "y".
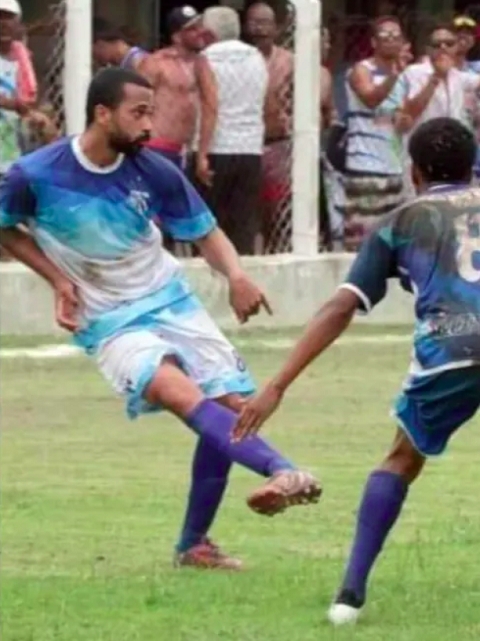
{"x": 91, "y": 506}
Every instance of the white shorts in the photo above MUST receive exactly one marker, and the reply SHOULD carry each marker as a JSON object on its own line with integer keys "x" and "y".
{"x": 184, "y": 330}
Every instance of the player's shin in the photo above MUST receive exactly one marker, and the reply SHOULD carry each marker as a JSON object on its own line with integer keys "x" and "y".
{"x": 215, "y": 424}
{"x": 382, "y": 501}
{"x": 210, "y": 470}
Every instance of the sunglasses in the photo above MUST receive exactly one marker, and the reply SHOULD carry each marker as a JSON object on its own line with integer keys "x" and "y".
{"x": 389, "y": 35}
{"x": 439, "y": 44}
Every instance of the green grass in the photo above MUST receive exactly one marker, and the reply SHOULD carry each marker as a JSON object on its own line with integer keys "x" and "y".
{"x": 91, "y": 506}
{"x": 243, "y": 334}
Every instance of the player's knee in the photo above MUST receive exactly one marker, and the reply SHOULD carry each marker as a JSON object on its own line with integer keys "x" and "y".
{"x": 404, "y": 460}
{"x": 172, "y": 389}
{"x": 233, "y": 402}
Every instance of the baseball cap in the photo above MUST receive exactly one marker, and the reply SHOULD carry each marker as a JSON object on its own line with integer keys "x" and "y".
{"x": 11, "y": 6}
{"x": 180, "y": 18}
{"x": 464, "y": 23}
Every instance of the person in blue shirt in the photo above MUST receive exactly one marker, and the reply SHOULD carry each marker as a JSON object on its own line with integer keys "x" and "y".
{"x": 89, "y": 203}
{"x": 111, "y": 46}
{"x": 432, "y": 246}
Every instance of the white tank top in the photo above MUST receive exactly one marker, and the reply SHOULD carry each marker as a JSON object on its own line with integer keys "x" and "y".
{"x": 373, "y": 146}
{"x": 242, "y": 79}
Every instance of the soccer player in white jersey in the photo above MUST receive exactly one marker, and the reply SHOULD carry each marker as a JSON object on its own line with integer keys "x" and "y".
{"x": 89, "y": 202}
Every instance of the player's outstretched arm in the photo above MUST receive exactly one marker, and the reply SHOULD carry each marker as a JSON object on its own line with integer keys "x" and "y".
{"x": 246, "y": 299}
{"x": 330, "y": 322}
{"x": 364, "y": 287}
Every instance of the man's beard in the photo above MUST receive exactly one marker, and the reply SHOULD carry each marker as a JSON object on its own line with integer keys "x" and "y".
{"x": 127, "y": 146}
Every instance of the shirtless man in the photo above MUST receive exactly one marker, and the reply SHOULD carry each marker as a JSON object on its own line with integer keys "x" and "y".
{"x": 328, "y": 221}
{"x": 182, "y": 80}
{"x": 261, "y": 30}
{"x": 326, "y": 85}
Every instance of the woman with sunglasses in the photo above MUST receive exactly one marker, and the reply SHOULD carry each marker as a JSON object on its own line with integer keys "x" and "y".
{"x": 374, "y": 155}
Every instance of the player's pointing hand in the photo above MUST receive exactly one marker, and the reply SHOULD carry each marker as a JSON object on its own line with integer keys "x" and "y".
{"x": 246, "y": 299}
{"x": 256, "y": 411}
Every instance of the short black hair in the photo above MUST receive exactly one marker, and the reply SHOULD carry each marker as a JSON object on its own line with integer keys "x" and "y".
{"x": 443, "y": 150}
{"x": 105, "y": 30}
{"x": 106, "y": 88}
{"x": 441, "y": 26}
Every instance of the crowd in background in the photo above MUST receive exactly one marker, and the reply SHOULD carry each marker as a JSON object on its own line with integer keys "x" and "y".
{"x": 224, "y": 113}
{"x": 388, "y": 94}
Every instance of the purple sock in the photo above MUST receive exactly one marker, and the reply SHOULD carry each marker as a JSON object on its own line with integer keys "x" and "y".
{"x": 215, "y": 424}
{"x": 210, "y": 469}
{"x": 382, "y": 502}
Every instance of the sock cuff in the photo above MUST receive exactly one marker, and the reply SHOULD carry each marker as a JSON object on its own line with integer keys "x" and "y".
{"x": 394, "y": 482}
{"x": 197, "y": 412}
{"x": 207, "y": 410}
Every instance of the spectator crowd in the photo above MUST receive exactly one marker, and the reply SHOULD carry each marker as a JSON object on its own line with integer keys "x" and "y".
{"x": 224, "y": 114}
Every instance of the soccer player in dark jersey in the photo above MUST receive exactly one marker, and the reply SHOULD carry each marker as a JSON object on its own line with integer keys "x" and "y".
{"x": 432, "y": 245}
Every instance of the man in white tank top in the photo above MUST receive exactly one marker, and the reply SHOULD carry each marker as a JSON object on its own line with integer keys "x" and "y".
{"x": 375, "y": 122}
{"x": 237, "y": 145}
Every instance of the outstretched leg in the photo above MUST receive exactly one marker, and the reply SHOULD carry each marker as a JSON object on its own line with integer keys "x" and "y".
{"x": 213, "y": 423}
{"x": 380, "y": 507}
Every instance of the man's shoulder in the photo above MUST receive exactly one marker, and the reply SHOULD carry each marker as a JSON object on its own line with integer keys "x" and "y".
{"x": 162, "y": 54}
{"x": 432, "y": 215}
{"x": 283, "y": 52}
{"x": 231, "y": 48}
{"x": 155, "y": 166}
{"x": 47, "y": 158}
{"x": 281, "y": 61}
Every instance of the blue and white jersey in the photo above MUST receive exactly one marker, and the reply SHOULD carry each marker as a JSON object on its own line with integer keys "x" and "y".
{"x": 374, "y": 147}
{"x": 96, "y": 224}
{"x": 433, "y": 247}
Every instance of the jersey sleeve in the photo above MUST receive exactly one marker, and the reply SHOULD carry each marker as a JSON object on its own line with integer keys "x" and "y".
{"x": 17, "y": 200}
{"x": 183, "y": 214}
{"x": 374, "y": 265}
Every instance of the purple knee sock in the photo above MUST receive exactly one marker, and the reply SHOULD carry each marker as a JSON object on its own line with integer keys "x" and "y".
{"x": 210, "y": 469}
{"x": 381, "y": 505}
{"x": 215, "y": 424}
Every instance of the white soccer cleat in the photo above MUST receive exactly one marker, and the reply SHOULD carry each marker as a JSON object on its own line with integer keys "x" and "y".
{"x": 342, "y": 614}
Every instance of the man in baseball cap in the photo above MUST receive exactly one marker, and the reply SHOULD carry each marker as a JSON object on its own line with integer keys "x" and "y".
{"x": 185, "y": 90}
{"x": 466, "y": 30}
{"x": 10, "y": 6}
{"x": 182, "y": 19}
